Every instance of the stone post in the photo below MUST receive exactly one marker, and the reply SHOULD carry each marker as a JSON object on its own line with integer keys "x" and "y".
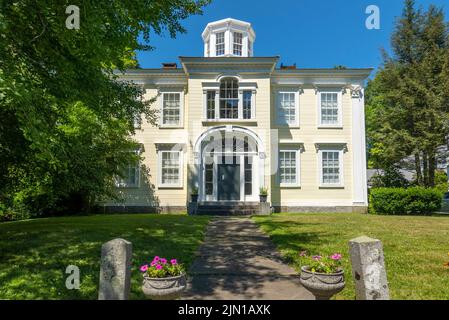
{"x": 115, "y": 270}
{"x": 368, "y": 269}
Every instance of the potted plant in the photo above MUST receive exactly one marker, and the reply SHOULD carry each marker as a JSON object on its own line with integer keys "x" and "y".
{"x": 163, "y": 279}
{"x": 263, "y": 194}
{"x": 194, "y": 194}
{"x": 323, "y": 276}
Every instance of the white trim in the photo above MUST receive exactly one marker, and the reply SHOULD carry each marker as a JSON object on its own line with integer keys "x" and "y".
{"x": 296, "y": 184}
{"x": 282, "y": 122}
{"x": 159, "y": 170}
{"x": 341, "y": 183}
{"x": 180, "y": 125}
{"x": 339, "y": 123}
{"x": 360, "y": 188}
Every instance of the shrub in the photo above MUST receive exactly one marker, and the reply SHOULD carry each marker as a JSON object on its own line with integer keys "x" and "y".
{"x": 401, "y": 201}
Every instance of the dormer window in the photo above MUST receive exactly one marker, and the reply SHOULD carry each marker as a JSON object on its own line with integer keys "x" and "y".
{"x": 220, "y": 44}
{"x": 238, "y": 42}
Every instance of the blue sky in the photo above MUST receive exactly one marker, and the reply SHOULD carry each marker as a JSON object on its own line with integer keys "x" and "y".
{"x": 310, "y": 33}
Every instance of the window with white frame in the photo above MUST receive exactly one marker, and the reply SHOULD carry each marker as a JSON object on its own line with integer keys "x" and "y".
{"x": 289, "y": 168}
{"x": 330, "y": 108}
{"x": 331, "y": 168}
{"x": 171, "y": 109}
{"x": 247, "y": 104}
{"x": 238, "y": 41}
{"x": 220, "y": 44}
{"x": 130, "y": 176}
{"x": 210, "y": 104}
{"x": 229, "y": 99}
{"x": 170, "y": 168}
{"x": 288, "y": 108}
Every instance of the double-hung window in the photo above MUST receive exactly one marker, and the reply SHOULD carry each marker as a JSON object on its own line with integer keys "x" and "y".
{"x": 331, "y": 168}
{"x": 170, "y": 168}
{"x": 289, "y": 168}
{"x": 288, "y": 108}
{"x": 330, "y": 108}
{"x": 238, "y": 41}
{"x": 220, "y": 44}
{"x": 171, "y": 113}
{"x": 130, "y": 175}
{"x": 229, "y": 99}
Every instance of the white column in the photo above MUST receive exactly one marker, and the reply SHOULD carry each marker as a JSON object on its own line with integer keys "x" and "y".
{"x": 359, "y": 187}
{"x": 217, "y": 103}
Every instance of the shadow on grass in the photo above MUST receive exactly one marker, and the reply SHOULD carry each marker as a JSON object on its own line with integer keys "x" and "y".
{"x": 35, "y": 253}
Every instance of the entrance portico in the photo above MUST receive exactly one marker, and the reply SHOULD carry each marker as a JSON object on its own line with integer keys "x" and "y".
{"x": 229, "y": 165}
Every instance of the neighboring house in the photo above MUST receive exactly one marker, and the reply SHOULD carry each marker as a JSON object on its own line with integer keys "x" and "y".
{"x": 409, "y": 175}
{"x": 231, "y": 122}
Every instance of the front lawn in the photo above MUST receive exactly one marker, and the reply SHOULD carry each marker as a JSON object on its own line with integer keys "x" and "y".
{"x": 34, "y": 254}
{"x": 415, "y": 248}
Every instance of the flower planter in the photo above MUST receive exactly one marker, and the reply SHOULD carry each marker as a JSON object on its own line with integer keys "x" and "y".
{"x": 263, "y": 198}
{"x": 164, "y": 288}
{"x": 194, "y": 197}
{"x": 323, "y": 286}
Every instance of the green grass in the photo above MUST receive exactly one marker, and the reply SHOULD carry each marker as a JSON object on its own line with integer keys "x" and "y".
{"x": 415, "y": 248}
{"x": 34, "y": 254}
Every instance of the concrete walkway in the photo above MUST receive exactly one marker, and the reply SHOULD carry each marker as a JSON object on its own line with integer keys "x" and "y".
{"x": 238, "y": 261}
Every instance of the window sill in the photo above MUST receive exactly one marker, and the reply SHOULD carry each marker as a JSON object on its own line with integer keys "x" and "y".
{"x": 170, "y": 187}
{"x": 246, "y": 121}
{"x": 331, "y": 186}
{"x": 336, "y": 126}
{"x": 287, "y": 126}
{"x": 290, "y": 186}
{"x": 170, "y": 127}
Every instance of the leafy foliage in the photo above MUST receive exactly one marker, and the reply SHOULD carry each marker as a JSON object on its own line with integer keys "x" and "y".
{"x": 401, "y": 201}
{"x": 321, "y": 264}
{"x": 389, "y": 178}
{"x": 65, "y": 121}
{"x": 162, "y": 268}
{"x": 408, "y": 100}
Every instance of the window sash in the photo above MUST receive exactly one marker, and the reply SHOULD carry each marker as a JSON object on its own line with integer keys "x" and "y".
{"x": 238, "y": 43}
{"x": 330, "y": 167}
{"x": 171, "y": 109}
{"x": 210, "y": 104}
{"x": 170, "y": 168}
{"x": 288, "y": 167}
{"x": 330, "y": 108}
{"x": 131, "y": 176}
{"x": 220, "y": 44}
{"x": 287, "y": 106}
{"x": 247, "y": 104}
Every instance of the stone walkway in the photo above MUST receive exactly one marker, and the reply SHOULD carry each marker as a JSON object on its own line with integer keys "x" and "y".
{"x": 238, "y": 261}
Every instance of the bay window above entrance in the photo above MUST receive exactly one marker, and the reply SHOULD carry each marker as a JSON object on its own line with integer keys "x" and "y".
{"x": 229, "y": 100}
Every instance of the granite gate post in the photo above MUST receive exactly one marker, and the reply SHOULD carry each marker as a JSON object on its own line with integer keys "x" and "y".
{"x": 368, "y": 269}
{"x": 115, "y": 270}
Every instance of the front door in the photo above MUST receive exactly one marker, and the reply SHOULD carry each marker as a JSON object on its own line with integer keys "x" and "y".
{"x": 228, "y": 182}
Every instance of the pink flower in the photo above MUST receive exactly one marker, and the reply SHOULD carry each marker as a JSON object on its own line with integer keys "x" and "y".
{"x": 316, "y": 258}
{"x": 144, "y": 268}
{"x": 173, "y": 261}
{"x": 303, "y": 253}
{"x": 153, "y": 264}
{"x": 159, "y": 267}
{"x": 336, "y": 256}
{"x": 156, "y": 259}
{"x": 163, "y": 261}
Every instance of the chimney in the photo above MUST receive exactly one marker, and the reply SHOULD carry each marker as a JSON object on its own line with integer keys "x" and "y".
{"x": 169, "y": 65}
{"x": 285, "y": 67}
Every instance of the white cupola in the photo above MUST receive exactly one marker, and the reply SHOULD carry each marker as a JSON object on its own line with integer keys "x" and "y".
{"x": 229, "y": 38}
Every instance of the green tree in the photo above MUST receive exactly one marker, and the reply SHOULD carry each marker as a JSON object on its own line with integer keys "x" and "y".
{"x": 407, "y": 101}
{"x": 65, "y": 121}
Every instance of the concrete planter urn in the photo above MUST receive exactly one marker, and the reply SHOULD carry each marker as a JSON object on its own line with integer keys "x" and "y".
{"x": 323, "y": 286}
{"x": 194, "y": 198}
{"x": 169, "y": 288}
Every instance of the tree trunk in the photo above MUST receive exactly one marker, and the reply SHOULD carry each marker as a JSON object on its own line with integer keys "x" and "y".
{"x": 418, "y": 169}
{"x": 425, "y": 169}
{"x": 432, "y": 166}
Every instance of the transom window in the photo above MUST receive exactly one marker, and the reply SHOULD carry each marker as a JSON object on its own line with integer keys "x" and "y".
{"x": 330, "y": 108}
{"x": 170, "y": 168}
{"x": 330, "y": 166}
{"x": 287, "y": 108}
{"x": 229, "y": 99}
{"x": 289, "y": 167}
{"x": 220, "y": 44}
{"x": 238, "y": 40}
{"x": 171, "y": 109}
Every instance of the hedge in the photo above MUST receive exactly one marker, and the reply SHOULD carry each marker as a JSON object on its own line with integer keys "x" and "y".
{"x": 404, "y": 201}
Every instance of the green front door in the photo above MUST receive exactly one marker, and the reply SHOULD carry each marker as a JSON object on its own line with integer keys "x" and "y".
{"x": 228, "y": 182}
